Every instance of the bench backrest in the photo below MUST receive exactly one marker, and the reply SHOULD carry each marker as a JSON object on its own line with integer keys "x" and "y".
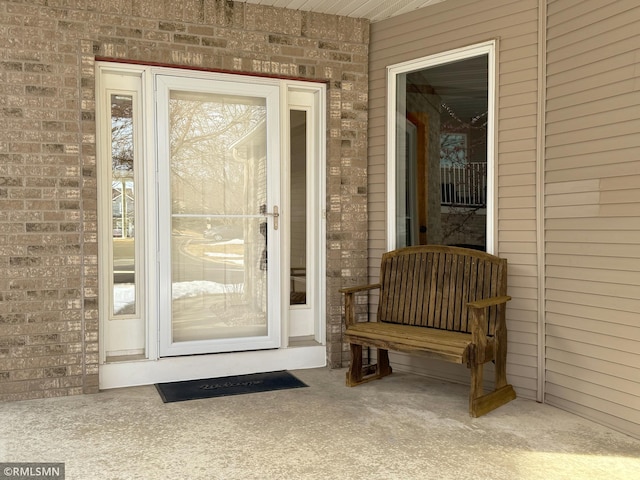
{"x": 429, "y": 286}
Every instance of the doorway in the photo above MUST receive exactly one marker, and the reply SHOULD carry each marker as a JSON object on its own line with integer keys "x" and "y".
{"x": 223, "y": 174}
{"x": 219, "y": 249}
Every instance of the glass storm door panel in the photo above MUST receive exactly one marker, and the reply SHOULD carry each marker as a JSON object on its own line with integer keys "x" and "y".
{"x": 218, "y": 171}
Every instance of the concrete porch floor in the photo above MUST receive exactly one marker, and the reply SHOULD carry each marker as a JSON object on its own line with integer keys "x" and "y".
{"x": 401, "y": 427}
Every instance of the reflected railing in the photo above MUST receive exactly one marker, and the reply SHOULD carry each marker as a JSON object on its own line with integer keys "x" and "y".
{"x": 464, "y": 185}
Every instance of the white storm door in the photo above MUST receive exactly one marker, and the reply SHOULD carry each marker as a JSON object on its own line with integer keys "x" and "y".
{"x": 218, "y": 239}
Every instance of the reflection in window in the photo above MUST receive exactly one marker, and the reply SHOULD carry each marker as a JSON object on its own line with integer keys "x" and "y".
{"x": 441, "y": 154}
{"x": 123, "y": 204}
{"x": 298, "y": 153}
{"x": 218, "y": 145}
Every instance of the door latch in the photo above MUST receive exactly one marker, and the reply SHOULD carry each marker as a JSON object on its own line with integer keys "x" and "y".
{"x": 275, "y": 215}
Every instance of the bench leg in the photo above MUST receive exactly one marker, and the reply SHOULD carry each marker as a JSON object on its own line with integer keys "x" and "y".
{"x": 501, "y": 358}
{"x": 354, "y": 374}
{"x": 383, "y": 368}
{"x": 477, "y": 376}
{"x": 480, "y": 403}
{"x": 358, "y": 373}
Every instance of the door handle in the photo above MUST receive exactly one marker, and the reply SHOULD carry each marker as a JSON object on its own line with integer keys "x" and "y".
{"x": 275, "y": 216}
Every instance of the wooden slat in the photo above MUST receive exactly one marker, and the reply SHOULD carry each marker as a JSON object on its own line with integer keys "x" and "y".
{"x": 442, "y": 267}
{"x": 450, "y": 294}
{"x": 406, "y": 288}
{"x": 473, "y": 276}
{"x": 410, "y": 290}
{"x": 393, "y": 285}
{"x": 491, "y": 283}
{"x": 451, "y": 345}
{"x": 495, "y": 288}
{"x": 464, "y": 313}
{"x": 401, "y": 289}
{"x": 430, "y": 286}
{"x": 423, "y": 286}
{"x": 459, "y": 293}
{"x": 486, "y": 289}
{"x": 433, "y": 289}
{"x": 390, "y": 283}
{"x": 426, "y": 303}
{"x": 384, "y": 290}
{"x": 445, "y": 337}
{"x": 479, "y": 277}
{"x": 446, "y": 289}
{"x": 397, "y": 285}
{"x": 501, "y": 286}
{"x": 416, "y": 297}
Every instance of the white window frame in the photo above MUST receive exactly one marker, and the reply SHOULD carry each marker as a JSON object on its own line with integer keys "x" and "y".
{"x": 132, "y": 84}
{"x": 393, "y": 72}
{"x": 300, "y": 96}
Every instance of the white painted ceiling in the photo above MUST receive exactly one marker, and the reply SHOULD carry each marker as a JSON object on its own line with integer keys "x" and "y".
{"x": 374, "y": 10}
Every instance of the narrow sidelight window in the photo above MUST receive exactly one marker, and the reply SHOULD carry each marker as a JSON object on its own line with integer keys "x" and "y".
{"x": 123, "y": 205}
{"x": 298, "y": 153}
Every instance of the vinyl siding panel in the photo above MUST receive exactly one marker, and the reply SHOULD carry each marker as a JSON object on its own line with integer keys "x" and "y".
{"x": 560, "y": 397}
{"x": 440, "y": 28}
{"x": 592, "y": 210}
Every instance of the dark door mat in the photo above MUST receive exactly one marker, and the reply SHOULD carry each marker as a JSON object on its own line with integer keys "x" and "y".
{"x": 225, "y": 386}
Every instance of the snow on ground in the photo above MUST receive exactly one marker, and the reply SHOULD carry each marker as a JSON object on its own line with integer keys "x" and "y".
{"x": 124, "y": 293}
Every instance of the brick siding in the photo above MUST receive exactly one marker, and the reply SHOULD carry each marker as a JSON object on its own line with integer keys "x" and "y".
{"x": 48, "y": 192}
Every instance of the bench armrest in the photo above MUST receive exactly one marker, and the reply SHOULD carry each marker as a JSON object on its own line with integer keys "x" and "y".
{"x": 350, "y": 305}
{"x": 479, "y": 324}
{"x": 359, "y": 288}
{"x": 489, "y": 302}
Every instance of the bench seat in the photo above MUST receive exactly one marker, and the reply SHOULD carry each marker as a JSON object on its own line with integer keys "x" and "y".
{"x": 450, "y": 346}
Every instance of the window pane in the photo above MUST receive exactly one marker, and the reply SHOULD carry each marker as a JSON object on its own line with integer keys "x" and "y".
{"x": 217, "y": 146}
{"x": 123, "y": 205}
{"x": 298, "y": 258}
{"x": 218, "y": 162}
{"x": 441, "y": 157}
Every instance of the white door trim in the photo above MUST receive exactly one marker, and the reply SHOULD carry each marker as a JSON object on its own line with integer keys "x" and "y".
{"x": 191, "y": 367}
{"x": 307, "y": 320}
{"x": 164, "y": 85}
{"x": 148, "y": 367}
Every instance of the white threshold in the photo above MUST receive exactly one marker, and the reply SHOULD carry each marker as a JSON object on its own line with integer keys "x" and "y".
{"x": 193, "y": 367}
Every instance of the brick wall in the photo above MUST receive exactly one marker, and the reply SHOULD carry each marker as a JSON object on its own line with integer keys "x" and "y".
{"x": 48, "y": 192}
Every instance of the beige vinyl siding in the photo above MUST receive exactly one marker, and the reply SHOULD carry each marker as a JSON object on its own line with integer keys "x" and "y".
{"x": 437, "y": 29}
{"x": 592, "y": 210}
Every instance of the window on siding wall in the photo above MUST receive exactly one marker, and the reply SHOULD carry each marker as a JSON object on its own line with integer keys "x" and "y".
{"x": 440, "y": 150}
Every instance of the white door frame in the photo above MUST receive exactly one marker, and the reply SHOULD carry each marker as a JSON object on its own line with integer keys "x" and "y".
{"x": 270, "y": 93}
{"x": 149, "y": 367}
{"x": 305, "y": 321}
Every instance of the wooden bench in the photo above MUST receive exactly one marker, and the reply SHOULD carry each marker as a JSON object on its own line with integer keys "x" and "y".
{"x": 444, "y": 302}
